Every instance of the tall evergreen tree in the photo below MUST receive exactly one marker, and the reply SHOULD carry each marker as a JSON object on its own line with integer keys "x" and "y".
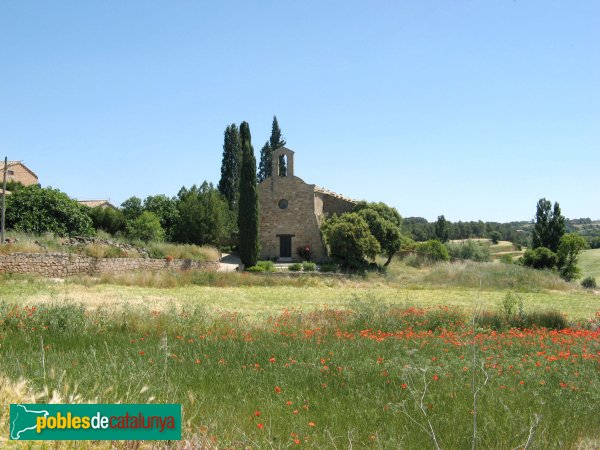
{"x": 245, "y": 136}
{"x": 549, "y": 225}
{"x": 248, "y": 202}
{"x": 276, "y": 141}
{"x": 230, "y": 165}
{"x": 266, "y": 162}
{"x": 442, "y": 229}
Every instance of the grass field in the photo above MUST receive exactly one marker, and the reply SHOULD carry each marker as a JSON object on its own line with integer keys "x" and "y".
{"x": 275, "y": 362}
{"x": 589, "y": 262}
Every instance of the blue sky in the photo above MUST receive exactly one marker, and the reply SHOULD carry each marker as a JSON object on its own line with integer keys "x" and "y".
{"x": 470, "y": 109}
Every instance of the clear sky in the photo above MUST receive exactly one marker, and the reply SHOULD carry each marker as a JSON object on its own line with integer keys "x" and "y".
{"x": 471, "y": 109}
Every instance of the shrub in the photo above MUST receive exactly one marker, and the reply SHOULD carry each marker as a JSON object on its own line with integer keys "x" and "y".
{"x": 328, "y": 267}
{"x": 589, "y": 283}
{"x": 256, "y": 268}
{"x": 309, "y": 266}
{"x": 268, "y": 266}
{"x": 540, "y": 258}
{"x": 469, "y": 250}
{"x": 432, "y": 250}
{"x": 296, "y": 267}
{"x": 506, "y": 259}
{"x": 146, "y": 228}
{"x": 305, "y": 252}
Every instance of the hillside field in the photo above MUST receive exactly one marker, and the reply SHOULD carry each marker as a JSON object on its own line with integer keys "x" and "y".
{"x": 589, "y": 262}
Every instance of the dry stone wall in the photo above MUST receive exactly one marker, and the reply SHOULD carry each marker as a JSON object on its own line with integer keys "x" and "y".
{"x": 61, "y": 265}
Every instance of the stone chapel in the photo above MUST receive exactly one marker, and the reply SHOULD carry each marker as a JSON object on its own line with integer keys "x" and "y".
{"x": 291, "y": 212}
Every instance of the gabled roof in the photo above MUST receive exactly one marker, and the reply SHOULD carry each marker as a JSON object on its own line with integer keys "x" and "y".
{"x": 322, "y": 190}
{"x": 14, "y": 163}
{"x": 96, "y": 203}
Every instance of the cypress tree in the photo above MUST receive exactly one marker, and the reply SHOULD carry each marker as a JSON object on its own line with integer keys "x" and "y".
{"x": 248, "y": 202}
{"x": 276, "y": 141}
{"x": 266, "y": 162}
{"x": 230, "y": 165}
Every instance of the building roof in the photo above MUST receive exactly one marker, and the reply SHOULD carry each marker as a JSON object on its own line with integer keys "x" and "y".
{"x": 333, "y": 194}
{"x": 14, "y": 163}
{"x": 96, "y": 203}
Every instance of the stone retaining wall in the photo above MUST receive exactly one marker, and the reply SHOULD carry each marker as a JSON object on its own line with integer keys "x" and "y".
{"x": 61, "y": 265}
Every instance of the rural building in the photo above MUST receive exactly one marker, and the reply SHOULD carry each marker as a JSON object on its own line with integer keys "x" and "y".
{"x": 18, "y": 172}
{"x": 291, "y": 212}
{"x": 96, "y": 203}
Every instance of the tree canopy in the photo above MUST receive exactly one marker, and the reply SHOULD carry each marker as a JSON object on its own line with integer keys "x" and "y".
{"x": 276, "y": 141}
{"x": 384, "y": 224}
{"x": 549, "y": 225}
{"x": 230, "y": 165}
{"x": 33, "y": 209}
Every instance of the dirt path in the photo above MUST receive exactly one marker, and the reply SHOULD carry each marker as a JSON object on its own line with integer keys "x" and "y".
{"x": 229, "y": 262}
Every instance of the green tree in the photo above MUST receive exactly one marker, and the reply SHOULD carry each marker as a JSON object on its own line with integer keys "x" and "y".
{"x": 203, "y": 216}
{"x": 549, "y": 225}
{"x": 350, "y": 240}
{"x": 265, "y": 165}
{"x": 165, "y": 209}
{"x": 248, "y": 203}
{"x": 230, "y": 165}
{"x": 276, "y": 141}
{"x": 568, "y": 251}
{"x": 33, "y": 209}
{"x": 442, "y": 229}
{"x": 146, "y": 227}
{"x": 108, "y": 219}
{"x": 132, "y": 208}
{"x": 540, "y": 258}
{"x": 384, "y": 224}
{"x": 495, "y": 236}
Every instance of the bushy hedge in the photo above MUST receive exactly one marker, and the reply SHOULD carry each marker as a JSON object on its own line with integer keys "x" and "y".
{"x": 33, "y": 209}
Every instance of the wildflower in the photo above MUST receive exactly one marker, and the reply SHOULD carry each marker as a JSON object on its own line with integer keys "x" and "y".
{"x": 522, "y": 383}
{"x": 198, "y": 361}
{"x": 271, "y": 360}
{"x": 404, "y": 385}
{"x": 289, "y": 403}
{"x": 260, "y": 425}
{"x": 295, "y": 411}
{"x": 435, "y": 377}
{"x": 311, "y": 424}
{"x": 256, "y": 413}
{"x": 142, "y": 353}
{"x": 296, "y": 441}
{"x": 277, "y": 390}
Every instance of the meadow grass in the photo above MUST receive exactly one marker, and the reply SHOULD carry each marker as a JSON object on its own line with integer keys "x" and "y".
{"x": 370, "y": 376}
{"x": 350, "y": 355}
{"x": 589, "y": 262}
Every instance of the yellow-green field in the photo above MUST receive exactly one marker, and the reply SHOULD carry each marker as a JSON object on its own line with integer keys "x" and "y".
{"x": 589, "y": 262}
{"x": 481, "y": 286}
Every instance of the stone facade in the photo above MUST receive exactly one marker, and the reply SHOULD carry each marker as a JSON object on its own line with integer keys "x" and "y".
{"x": 61, "y": 265}
{"x": 21, "y": 173}
{"x": 291, "y": 211}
